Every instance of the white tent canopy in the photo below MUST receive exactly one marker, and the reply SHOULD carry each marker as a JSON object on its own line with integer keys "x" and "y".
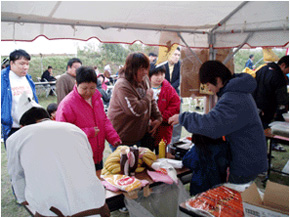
{"x": 197, "y": 24}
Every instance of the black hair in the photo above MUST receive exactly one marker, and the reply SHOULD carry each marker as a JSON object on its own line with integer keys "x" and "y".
{"x": 284, "y": 60}
{"x": 178, "y": 48}
{"x": 86, "y": 75}
{"x": 72, "y": 61}
{"x": 152, "y": 54}
{"x": 153, "y": 70}
{"x": 33, "y": 115}
{"x": 211, "y": 70}
{"x": 52, "y": 107}
{"x": 251, "y": 56}
{"x": 18, "y": 54}
{"x": 49, "y": 67}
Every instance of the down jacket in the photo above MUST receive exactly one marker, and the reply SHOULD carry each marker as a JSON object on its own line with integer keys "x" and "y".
{"x": 74, "y": 109}
{"x": 168, "y": 104}
{"x": 235, "y": 116}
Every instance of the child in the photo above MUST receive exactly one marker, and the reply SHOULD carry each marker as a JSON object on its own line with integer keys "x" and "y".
{"x": 51, "y": 109}
{"x": 167, "y": 100}
{"x": 209, "y": 160}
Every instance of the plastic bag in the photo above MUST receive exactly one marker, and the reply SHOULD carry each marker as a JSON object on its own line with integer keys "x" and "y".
{"x": 165, "y": 168}
{"x": 164, "y": 201}
{"x": 122, "y": 182}
{"x": 219, "y": 202}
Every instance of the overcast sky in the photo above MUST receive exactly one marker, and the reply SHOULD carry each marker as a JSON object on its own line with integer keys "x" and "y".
{"x": 44, "y": 46}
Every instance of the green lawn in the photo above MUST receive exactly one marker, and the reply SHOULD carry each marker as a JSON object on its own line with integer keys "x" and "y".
{"x": 9, "y": 207}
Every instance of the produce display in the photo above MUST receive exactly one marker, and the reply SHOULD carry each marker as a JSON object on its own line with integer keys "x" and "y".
{"x": 130, "y": 162}
{"x": 218, "y": 202}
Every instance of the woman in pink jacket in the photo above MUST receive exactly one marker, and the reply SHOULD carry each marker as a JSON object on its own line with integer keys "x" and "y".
{"x": 84, "y": 107}
{"x": 167, "y": 100}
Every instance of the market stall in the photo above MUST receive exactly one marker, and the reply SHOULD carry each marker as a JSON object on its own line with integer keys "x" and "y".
{"x": 205, "y": 30}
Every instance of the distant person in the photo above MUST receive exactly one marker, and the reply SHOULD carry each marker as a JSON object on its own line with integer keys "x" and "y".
{"x": 107, "y": 73}
{"x": 15, "y": 80}
{"x": 96, "y": 70}
{"x": 84, "y": 108}
{"x": 152, "y": 58}
{"x": 51, "y": 166}
{"x": 173, "y": 69}
{"x": 172, "y": 75}
{"x": 271, "y": 95}
{"x": 48, "y": 75}
{"x": 66, "y": 82}
{"x": 235, "y": 116}
{"x": 168, "y": 103}
{"x": 102, "y": 79}
{"x": 5, "y": 63}
{"x": 249, "y": 62}
{"x": 51, "y": 110}
{"x": 106, "y": 95}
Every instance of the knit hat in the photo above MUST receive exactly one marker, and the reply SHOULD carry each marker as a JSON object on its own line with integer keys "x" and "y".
{"x": 25, "y": 104}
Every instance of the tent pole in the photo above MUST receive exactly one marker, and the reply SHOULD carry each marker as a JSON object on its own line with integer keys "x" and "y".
{"x": 192, "y": 52}
{"x": 229, "y": 16}
{"x": 233, "y": 53}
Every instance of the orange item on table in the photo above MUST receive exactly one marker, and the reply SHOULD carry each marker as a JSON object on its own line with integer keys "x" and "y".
{"x": 218, "y": 202}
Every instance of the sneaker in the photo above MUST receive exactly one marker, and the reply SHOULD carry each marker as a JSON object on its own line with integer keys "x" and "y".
{"x": 124, "y": 210}
{"x": 279, "y": 148}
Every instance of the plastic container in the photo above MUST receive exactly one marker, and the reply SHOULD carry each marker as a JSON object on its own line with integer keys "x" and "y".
{"x": 162, "y": 149}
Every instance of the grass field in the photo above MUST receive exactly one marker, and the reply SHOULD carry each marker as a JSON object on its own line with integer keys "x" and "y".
{"x": 9, "y": 207}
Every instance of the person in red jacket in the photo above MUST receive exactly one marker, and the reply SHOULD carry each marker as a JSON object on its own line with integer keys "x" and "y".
{"x": 167, "y": 100}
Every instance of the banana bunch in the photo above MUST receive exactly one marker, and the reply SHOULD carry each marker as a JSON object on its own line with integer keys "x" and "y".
{"x": 147, "y": 156}
{"x": 112, "y": 164}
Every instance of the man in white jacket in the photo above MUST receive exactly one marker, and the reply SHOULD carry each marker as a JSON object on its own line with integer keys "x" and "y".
{"x": 51, "y": 166}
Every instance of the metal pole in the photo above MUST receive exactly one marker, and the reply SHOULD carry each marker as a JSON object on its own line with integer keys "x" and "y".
{"x": 192, "y": 52}
{"x": 232, "y": 54}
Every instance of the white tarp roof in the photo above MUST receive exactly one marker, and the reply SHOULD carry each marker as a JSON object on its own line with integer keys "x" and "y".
{"x": 225, "y": 24}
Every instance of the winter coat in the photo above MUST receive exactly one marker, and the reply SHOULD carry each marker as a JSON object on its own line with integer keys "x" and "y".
{"x": 6, "y": 100}
{"x": 209, "y": 169}
{"x": 168, "y": 104}
{"x": 131, "y": 109}
{"x": 271, "y": 91}
{"x": 175, "y": 79}
{"x": 74, "y": 109}
{"x": 235, "y": 116}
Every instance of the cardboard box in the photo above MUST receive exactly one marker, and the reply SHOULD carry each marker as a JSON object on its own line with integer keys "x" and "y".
{"x": 274, "y": 204}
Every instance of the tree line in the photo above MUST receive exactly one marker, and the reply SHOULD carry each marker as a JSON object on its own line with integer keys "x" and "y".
{"x": 115, "y": 55}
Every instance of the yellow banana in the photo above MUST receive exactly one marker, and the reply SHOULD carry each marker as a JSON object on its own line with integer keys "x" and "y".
{"x": 150, "y": 155}
{"x": 113, "y": 166}
{"x": 139, "y": 169}
{"x": 104, "y": 171}
{"x": 113, "y": 159}
{"x": 116, "y": 170}
{"x": 147, "y": 161}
